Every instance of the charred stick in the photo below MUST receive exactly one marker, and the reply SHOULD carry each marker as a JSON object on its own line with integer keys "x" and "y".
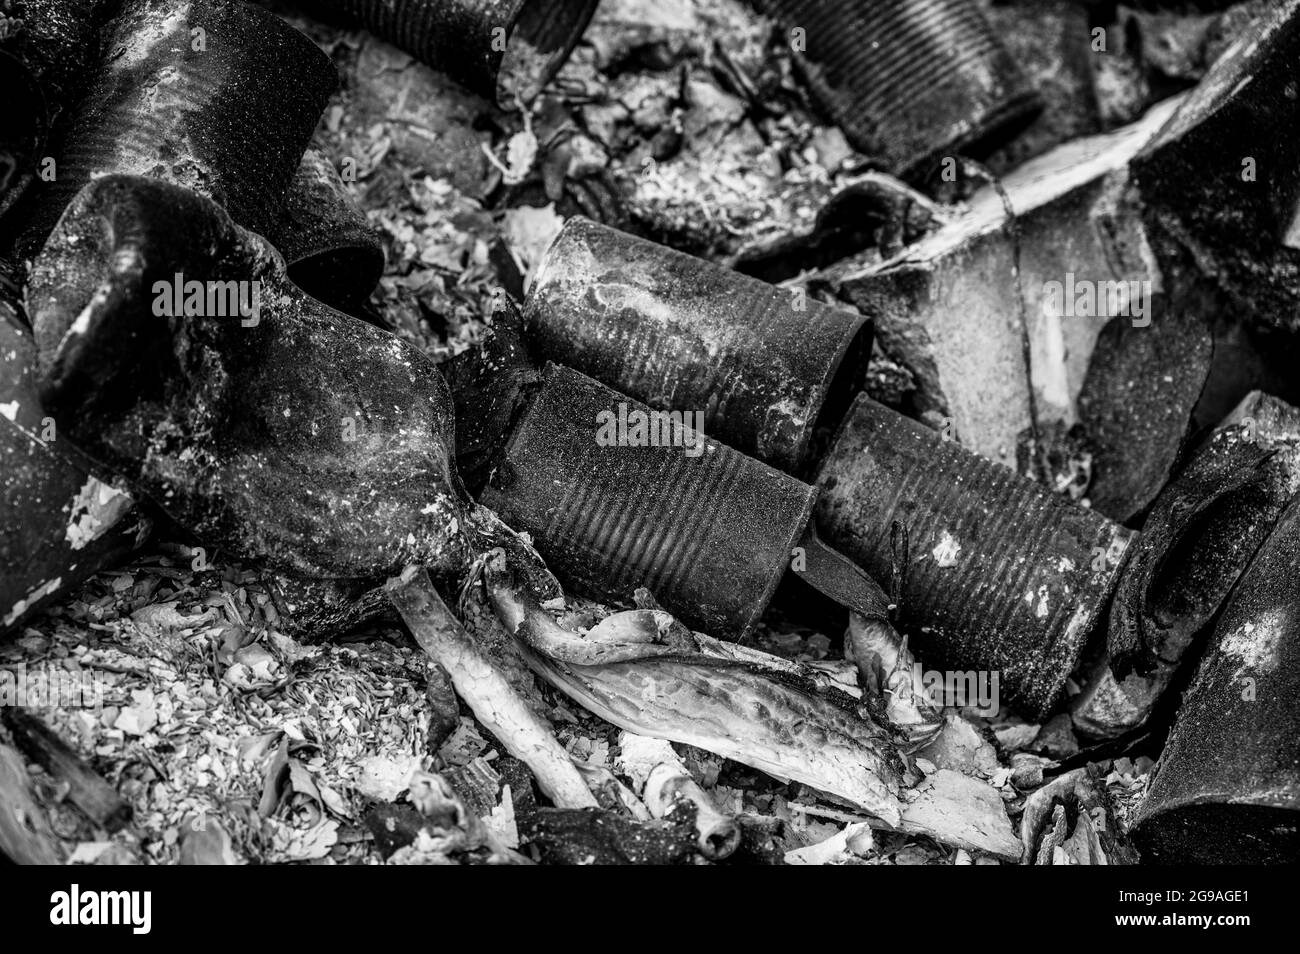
{"x": 97, "y": 799}
{"x": 24, "y": 834}
{"x": 485, "y": 690}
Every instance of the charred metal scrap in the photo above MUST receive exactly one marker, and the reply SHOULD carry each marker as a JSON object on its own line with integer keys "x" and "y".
{"x": 954, "y": 496}
{"x": 260, "y": 428}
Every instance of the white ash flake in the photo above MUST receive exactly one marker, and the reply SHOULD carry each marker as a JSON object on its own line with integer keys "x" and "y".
{"x": 37, "y": 594}
{"x": 947, "y": 550}
{"x": 1254, "y": 645}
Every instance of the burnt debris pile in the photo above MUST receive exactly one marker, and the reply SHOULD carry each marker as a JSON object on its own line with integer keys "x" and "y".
{"x": 682, "y": 432}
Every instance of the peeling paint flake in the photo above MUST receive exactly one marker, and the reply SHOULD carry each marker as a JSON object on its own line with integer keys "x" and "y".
{"x": 96, "y": 508}
{"x": 32, "y": 598}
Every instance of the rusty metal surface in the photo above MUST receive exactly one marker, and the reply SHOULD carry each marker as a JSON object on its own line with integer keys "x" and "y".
{"x": 679, "y": 333}
{"x": 909, "y": 80}
{"x": 1227, "y": 788}
{"x": 461, "y": 38}
{"x": 44, "y": 65}
{"x": 229, "y": 119}
{"x": 332, "y": 252}
{"x": 1202, "y": 532}
{"x": 709, "y": 535}
{"x": 1002, "y": 576}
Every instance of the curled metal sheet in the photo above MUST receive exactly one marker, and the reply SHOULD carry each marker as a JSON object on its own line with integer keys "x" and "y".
{"x": 1227, "y": 788}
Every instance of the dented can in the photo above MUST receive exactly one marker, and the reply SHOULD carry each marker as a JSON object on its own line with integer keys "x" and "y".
{"x": 216, "y": 96}
{"x": 1202, "y": 531}
{"x": 766, "y": 366}
{"x": 908, "y": 80}
{"x": 1227, "y": 787}
{"x": 263, "y": 421}
{"x": 617, "y": 496}
{"x": 504, "y": 50}
{"x": 332, "y": 252}
{"x": 1002, "y": 577}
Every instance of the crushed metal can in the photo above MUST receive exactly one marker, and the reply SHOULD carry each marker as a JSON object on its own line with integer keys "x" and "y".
{"x": 216, "y": 96}
{"x": 1227, "y": 787}
{"x": 618, "y": 496}
{"x": 1003, "y": 577}
{"x": 173, "y": 349}
{"x": 504, "y": 50}
{"x": 767, "y": 367}
{"x": 1202, "y": 532}
{"x": 910, "y": 81}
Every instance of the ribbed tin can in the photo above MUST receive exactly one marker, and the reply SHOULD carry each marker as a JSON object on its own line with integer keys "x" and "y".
{"x": 332, "y": 252}
{"x": 1227, "y": 788}
{"x": 1002, "y": 577}
{"x": 216, "y": 95}
{"x": 504, "y": 50}
{"x": 767, "y": 366}
{"x": 908, "y": 80}
{"x": 708, "y": 531}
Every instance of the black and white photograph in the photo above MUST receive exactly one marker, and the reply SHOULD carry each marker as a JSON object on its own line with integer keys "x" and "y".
{"x": 701, "y": 433}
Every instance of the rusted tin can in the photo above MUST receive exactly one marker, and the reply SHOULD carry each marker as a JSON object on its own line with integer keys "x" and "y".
{"x": 910, "y": 81}
{"x": 766, "y": 366}
{"x": 215, "y": 95}
{"x": 617, "y": 498}
{"x": 1227, "y": 788}
{"x": 48, "y": 50}
{"x": 1003, "y": 576}
{"x": 332, "y": 252}
{"x": 504, "y": 50}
